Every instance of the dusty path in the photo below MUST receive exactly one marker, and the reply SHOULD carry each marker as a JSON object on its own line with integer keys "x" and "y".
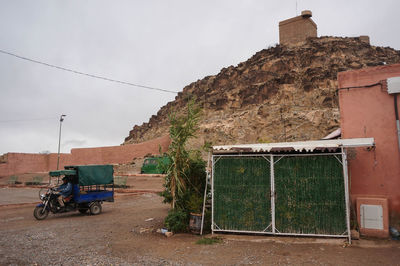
{"x": 122, "y": 236}
{"x": 18, "y": 195}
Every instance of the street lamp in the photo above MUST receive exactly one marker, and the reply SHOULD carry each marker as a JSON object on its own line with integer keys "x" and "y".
{"x": 59, "y": 140}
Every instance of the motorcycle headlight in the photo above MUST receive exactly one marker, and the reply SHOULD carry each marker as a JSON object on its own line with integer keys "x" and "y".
{"x": 43, "y": 196}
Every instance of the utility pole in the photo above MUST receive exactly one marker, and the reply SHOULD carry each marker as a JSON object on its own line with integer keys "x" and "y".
{"x": 59, "y": 140}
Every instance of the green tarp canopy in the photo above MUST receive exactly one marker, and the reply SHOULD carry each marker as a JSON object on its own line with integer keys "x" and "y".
{"x": 95, "y": 174}
{"x": 62, "y": 172}
{"x": 88, "y": 174}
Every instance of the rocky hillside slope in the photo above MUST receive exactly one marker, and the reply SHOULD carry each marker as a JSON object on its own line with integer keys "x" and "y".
{"x": 280, "y": 94}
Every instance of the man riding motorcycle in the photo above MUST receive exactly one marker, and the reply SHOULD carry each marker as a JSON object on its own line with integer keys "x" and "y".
{"x": 64, "y": 191}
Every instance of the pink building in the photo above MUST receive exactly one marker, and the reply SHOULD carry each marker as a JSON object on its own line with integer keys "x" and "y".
{"x": 367, "y": 110}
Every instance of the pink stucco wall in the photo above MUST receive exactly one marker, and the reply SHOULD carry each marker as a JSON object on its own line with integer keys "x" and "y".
{"x": 20, "y": 163}
{"x": 368, "y": 111}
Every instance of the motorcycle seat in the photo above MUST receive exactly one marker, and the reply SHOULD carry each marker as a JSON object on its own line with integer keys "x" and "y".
{"x": 67, "y": 199}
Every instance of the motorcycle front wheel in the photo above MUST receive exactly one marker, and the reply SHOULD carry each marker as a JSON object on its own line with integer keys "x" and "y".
{"x": 40, "y": 213}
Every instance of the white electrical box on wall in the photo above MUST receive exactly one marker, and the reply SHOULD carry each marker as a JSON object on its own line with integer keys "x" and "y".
{"x": 393, "y": 85}
{"x": 371, "y": 216}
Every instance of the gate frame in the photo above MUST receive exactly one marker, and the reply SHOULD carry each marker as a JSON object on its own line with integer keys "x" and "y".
{"x": 343, "y": 162}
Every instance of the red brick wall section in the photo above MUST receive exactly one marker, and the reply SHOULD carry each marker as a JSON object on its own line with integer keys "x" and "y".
{"x": 119, "y": 154}
{"x": 369, "y": 112}
{"x": 65, "y": 159}
{"x": 19, "y": 163}
{"x": 4, "y": 169}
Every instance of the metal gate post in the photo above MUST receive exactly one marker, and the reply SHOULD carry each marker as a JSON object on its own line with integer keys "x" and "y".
{"x": 205, "y": 192}
{"x": 346, "y": 191}
{"x": 272, "y": 193}
{"x": 212, "y": 194}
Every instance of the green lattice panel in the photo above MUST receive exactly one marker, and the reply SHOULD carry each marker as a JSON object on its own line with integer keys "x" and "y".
{"x": 310, "y": 197}
{"x": 242, "y": 193}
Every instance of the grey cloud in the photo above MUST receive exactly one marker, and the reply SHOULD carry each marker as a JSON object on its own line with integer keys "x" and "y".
{"x": 166, "y": 44}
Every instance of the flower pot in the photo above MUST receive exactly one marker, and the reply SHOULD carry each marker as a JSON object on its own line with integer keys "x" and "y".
{"x": 195, "y": 223}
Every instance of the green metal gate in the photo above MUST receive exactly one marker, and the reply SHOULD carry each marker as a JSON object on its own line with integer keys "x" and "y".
{"x": 280, "y": 194}
{"x": 241, "y": 194}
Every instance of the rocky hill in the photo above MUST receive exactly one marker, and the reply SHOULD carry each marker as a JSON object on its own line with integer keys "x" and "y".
{"x": 284, "y": 93}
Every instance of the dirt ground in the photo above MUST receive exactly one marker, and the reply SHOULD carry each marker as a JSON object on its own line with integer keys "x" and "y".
{"x": 18, "y": 195}
{"x": 125, "y": 234}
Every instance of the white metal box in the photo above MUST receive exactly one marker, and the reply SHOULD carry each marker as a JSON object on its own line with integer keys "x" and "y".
{"x": 371, "y": 216}
{"x": 393, "y": 85}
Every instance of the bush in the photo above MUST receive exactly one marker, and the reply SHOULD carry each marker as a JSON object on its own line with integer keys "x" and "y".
{"x": 190, "y": 200}
{"x": 177, "y": 221}
{"x": 195, "y": 203}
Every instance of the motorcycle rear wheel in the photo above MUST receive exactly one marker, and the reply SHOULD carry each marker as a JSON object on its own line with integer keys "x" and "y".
{"x": 95, "y": 208}
{"x": 40, "y": 213}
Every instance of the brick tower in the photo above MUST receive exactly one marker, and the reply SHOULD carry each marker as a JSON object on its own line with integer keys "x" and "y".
{"x": 295, "y": 30}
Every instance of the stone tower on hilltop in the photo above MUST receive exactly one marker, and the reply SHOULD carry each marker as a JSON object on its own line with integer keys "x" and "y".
{"x": 283, "y": 93}
{"x": 297, "y": 29}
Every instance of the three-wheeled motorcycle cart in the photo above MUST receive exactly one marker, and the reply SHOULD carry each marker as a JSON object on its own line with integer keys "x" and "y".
{"x": 91, "y": 186}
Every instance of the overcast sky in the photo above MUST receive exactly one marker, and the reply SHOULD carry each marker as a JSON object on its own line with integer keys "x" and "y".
{"x": 163, "y": 44}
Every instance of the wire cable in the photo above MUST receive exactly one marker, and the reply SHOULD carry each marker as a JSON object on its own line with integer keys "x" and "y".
{"x": 24, "y": 120}
{"x": 86, "y": 74}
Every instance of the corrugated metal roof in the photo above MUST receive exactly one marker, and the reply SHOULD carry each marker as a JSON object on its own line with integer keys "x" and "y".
{"x": 300, "y": 146}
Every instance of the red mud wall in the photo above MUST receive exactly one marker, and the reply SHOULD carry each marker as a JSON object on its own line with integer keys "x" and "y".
{"x": 368, "y": 111}
{"x": 23, "y": 163}
{"x": 19, "y": 163}
{"x": 119, "y": 154}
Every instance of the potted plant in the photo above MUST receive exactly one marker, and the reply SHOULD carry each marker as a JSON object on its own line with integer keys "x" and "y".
{"x": 195, "y": 206}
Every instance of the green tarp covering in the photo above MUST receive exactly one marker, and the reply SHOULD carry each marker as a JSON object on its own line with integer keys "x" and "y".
{"x": 242, "y": 193}
{"x": 62, "y": 172}
{"x": 95, "y": 174}
{"x": 309, "y": 194}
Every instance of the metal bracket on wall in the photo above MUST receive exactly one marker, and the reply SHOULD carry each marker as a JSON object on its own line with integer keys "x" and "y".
{"x": 217, "y": 227}
{"x": 279, "y": 159}
{"x": 266, "y": 158}
{"x": 216, "y": 160}
{"x": 267, "y": 227}
{"x": 339, "y": 160}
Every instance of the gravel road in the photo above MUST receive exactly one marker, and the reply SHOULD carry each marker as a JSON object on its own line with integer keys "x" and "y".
{"x": 125, "y": 234}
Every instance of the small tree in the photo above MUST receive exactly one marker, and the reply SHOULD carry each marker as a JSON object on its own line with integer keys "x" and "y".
{"x": 185, "y": 170}
{"x": 183, "y": 127}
